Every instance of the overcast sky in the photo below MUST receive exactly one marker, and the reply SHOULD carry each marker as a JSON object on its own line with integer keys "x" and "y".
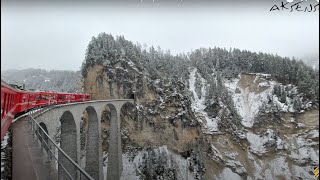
{"x": 55, "y": 36}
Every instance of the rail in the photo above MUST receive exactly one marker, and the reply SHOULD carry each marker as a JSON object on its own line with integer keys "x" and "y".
{"x": 45, "y": 140}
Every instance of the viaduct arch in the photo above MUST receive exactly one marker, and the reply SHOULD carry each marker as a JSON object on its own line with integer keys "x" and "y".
{"x": 65, "y": 120}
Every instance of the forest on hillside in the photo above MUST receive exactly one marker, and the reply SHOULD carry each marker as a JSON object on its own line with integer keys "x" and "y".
{"x": 40, "y": 79}
{"x": 107, "y": 50}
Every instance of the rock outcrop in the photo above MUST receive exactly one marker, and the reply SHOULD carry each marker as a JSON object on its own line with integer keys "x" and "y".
{"x": 201, "y": 124}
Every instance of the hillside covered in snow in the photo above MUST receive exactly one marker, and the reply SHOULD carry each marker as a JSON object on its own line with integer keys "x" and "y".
{"x": 208, "y": 114}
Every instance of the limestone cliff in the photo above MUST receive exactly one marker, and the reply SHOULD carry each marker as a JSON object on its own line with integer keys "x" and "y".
{"x": 157, "y": 120}
{"x": 195, "y": 120}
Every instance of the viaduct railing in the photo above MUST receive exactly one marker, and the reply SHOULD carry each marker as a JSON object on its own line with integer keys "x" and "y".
{"x": 51, "y": 147}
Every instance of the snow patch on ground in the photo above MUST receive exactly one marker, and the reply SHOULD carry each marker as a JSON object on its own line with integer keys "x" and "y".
{"x": 198, "y": 104}
{"x": 258, "y": 173}
{"x": 248, "y": 103}
{"x": 131, "y": 165}
{"x": 303, "y": 151}
{"x": 302, "y": 172}
{"x": 227, "y": 174}
{"x": 279, "y": 167}
{"x": 258, "y": 143}
{"x": 264, "y": 84}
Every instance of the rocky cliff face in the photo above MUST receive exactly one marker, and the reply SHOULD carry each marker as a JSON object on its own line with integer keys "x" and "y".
{"x": 163, "y": 118}
{"x": 171, "y": 135}
{"x": 203, "y": 124}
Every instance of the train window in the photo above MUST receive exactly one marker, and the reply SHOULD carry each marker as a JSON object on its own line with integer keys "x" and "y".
{"x": 11, "y": 100}
{"x": 4, "y": 104}
{"x": 38, "y": 97}
{"x": 8, "y": 103}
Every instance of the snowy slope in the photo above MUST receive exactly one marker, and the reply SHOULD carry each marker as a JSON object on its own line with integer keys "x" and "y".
{"x": 198, "y": 103}
{"x": 133, "y": 167}
{"x": 249, "y": 94}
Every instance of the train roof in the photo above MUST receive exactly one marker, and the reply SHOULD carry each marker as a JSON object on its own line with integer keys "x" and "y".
{"x": 14, "y": 87}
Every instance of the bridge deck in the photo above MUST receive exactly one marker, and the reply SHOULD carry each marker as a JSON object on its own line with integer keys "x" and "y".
{"x": 29, "y": 161}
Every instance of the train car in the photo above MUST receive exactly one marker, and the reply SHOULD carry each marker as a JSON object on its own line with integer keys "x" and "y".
{"x": 61, "y": 98}
{"x": 46, "y": 99}
{"x": 87, "y": 97}
{"x": 69, "y": 98}
{"x": 64, "y": 98}
{"x": 72, "y": 98}
{"x": 15, "y": 101}
{"x": 80, "y": 97}
{"x": 26, "y": 101}
{"x": 9, "y": 102}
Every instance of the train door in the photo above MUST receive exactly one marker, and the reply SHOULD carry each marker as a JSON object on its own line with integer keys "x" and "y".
{"x": 33, "y": 100}
{"x": 55, "y": 98}
{"x": 28, "y": 101}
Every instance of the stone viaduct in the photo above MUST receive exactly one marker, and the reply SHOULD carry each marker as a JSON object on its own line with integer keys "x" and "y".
{"x": 68, "y": 116}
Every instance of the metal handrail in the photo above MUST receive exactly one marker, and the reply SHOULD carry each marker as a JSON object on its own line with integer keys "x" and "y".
{"x": 43, "y": 141}
{"x": 33, "y": 121}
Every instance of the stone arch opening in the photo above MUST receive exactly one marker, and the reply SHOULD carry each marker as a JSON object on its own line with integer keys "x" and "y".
{"x": 129, "y": 125}
{"x": 105, "y": 129}
{"x": 114, "y": 166}
{"x": 83, "y": 137}
{"x": 93, "y": 143}
{"x": 46, "y": 139}
{"x": 68, "y": 143}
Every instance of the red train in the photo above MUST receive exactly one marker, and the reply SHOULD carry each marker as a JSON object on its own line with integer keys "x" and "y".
{"x": 15, "y": 101}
